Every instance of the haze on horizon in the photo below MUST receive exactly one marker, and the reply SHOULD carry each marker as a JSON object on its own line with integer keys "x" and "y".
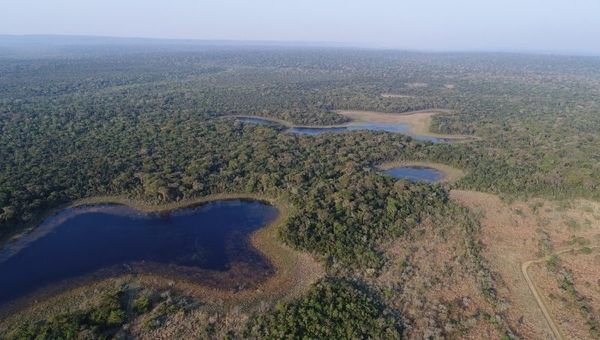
{"x": 555, "y": 26}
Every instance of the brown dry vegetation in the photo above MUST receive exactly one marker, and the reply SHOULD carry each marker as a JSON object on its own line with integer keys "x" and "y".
{"x": 517, "y": 232}
{"x": 430, "y": 279}
{"x": 570, "y": 285}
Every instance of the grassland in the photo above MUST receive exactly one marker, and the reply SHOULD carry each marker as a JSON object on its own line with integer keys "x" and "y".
{"x": 525, "y": 233}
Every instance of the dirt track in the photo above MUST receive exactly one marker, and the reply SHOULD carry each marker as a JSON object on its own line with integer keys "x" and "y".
{"x": 555, "y": 330}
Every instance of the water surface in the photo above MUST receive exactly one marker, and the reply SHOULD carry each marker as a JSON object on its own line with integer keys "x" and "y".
{"x": 394, "y": 128}
{"x": 84, "y": 240}
{"x": 416, "y": 174}
{"x": 354, "y": 126}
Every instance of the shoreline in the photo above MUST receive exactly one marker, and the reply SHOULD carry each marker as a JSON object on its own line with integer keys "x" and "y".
{"x": 288, "y": 124}
{"x": 418, "y": 122}
{"x": 31, "y": 226}
{"x": 294, "y": 271}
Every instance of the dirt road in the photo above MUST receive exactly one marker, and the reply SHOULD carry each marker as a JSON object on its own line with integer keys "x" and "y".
{"x": 538, "y": 298}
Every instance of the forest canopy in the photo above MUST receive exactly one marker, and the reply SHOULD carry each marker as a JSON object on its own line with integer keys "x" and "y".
{"x": 156, "y": 125}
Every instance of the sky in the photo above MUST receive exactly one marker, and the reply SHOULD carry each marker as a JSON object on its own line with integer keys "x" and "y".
{"x": 560, "y": 26}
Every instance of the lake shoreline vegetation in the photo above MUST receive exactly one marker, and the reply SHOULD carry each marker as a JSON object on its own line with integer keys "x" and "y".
{"x": 417, "y": 123}
{"x": 294, "y": 270}
{"x": 154, "y": 131}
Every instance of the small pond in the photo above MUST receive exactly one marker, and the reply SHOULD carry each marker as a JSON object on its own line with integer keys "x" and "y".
{"x": 416, "y": 174}
{"x": 113, "y": 239}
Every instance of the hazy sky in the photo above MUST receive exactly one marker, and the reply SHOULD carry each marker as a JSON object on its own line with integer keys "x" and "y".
{"x": 525, "y": 25}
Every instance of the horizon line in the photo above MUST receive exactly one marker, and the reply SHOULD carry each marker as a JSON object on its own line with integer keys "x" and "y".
{"x": 312, "y": 43}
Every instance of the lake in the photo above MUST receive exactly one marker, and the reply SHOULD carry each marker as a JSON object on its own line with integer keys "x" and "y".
{"x": 195, "y": 243}
{"x": 355, "y": 126}
{"x": 416, "y": 174}
{"x": 394, "y": 128}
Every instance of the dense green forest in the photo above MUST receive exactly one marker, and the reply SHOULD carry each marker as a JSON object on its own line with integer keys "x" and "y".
{"x": 60, "y": 115}
{"x": 148, "y": 123}
{"x": 98, "y": 322}
{"x": 332, "y": 310}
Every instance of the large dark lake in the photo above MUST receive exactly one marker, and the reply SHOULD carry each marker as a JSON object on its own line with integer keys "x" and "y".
{"x": 355, "y": 126}
{"x": 197, "y": 243}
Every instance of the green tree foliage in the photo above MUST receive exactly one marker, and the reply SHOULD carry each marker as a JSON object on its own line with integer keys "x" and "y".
{"x": 341, "y": 208}
{"x": 149, "y": 124}
{"x": 345, "y": 219}
{"x": 102, "y": 321}
{"x": 331, "y": 310}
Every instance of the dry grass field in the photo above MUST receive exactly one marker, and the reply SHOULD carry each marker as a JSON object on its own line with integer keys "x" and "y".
{"x": 514, "y": 233}
{"x": 427, "y": 278}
